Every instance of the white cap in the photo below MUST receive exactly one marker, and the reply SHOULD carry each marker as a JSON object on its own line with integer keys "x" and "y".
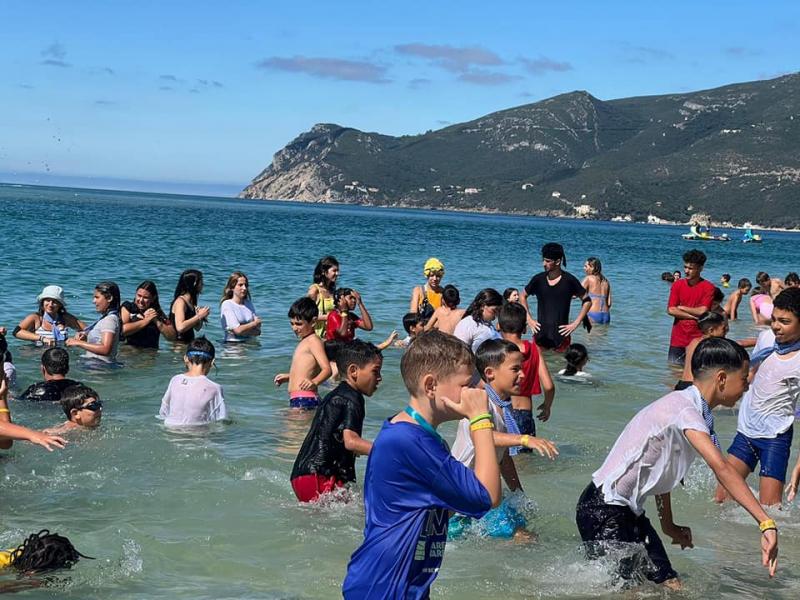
{"x": 53, "y": 292}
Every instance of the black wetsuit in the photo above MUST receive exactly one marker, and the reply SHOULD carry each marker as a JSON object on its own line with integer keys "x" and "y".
{"x": 47, "y": 391}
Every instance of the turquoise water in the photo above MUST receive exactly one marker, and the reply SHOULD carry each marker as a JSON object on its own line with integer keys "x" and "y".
{"x": 212, "y": 515}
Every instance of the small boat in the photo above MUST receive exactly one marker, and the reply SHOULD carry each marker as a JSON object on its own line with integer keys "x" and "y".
{"x": 751, "y": 238}
{"x": 700, "y": 233}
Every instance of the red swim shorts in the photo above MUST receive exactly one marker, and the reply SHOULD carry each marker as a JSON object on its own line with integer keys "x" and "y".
{"x": 308, "y": 488}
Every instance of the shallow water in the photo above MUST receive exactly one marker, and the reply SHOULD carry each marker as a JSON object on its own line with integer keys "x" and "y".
{"x": 212, "y": 515}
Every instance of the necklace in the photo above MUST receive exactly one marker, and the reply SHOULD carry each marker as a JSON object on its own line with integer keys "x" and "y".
{"x": 424, "y": 424}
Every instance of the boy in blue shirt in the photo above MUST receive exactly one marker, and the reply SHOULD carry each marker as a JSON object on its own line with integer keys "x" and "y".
{"x": 412, "y": 482}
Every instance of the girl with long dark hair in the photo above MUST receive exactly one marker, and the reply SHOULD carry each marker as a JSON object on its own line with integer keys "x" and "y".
{"x": 143, "y": 320}
{"x": 184, "y": 313}
{"x": 477, "y": 324}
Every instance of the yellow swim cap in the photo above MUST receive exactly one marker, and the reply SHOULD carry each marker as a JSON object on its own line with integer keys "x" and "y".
{"x": 432, "y": 265}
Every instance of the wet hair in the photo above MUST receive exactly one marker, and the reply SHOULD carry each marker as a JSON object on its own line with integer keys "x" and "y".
{"x": 596, "y": 266}
{"x": 410, "y": 320}
{"x": 189, "y": 282}
{"x": 56, "y": 361}
{"x": 719, "y": 295}
{"x": 332, "y": 349}
{"x": 341, "y": 293}
{"x": 507, "y": 293}
{"x": 5, "y": 355}
{"x": 150, "y": 287}
{"x": 324, "y": 264}
{"x": 451, "y": 296}
{"x": 792, "y": 279}
{"x": 304, "y": 309}
{"x": 492, "y": 353}
{"x": 667, "y": 276}
{"x": 788, "y": 299}
{"x": 575, "y": 355}
{"x": 45, "y": 551}
{"x": 712, "y": 354}
{"x": 744, "y": 282}
{"x": 358, "y": 353}
{"x": 708, "y": 320}
{"x": 512, "y": 318}
{"x": 726, "y": 276}
{"x": 694, "y": 257}
{"x": 434, "y": 352}
{"x": 75, "y": 396}
{"x": 763, "y": 279}
{"x": 110, "y": 290}
{"x": 486, "y": 297}
{"x": 227, "y": 291}
{"x": 200, "y": 351}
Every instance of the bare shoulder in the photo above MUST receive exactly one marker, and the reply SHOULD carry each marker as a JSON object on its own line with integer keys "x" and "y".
{"x": 313, "y": 291}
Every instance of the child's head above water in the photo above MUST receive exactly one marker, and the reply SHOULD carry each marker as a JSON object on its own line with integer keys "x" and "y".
{"x": 450, "y": 296}
{"x": 499, "y": 363}
{"x": 713, "y": 324}
{"x": 45, "y": 551}
{"x": 359, "y": 364}
{"x": 792, "y": 280}
{"x": 343, "y": 299}
{"x": 55, "y": 361}
{"x": 576, "y": 356}
{"x": 302, "y": 315}
{"x": 413, "y": 323}
{"x": 725, "y": 361}
{"x": 200, "y": 352}
{"x": 744, "y": 285}
{"x": 725, "y": 279}
{"x": 512, "y": 318}
{"x": 82, "y": 405}
{"x": 511, "y": 295}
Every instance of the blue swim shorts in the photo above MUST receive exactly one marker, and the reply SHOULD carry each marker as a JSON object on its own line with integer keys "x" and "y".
{"x": 772, "y": 453}
{"x": 600, "y": 318}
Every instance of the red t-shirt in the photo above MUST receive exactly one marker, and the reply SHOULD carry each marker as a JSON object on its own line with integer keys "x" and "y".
{"x": 683, "y": 294}
{"x": 530, "y": 370}
{"x": 335, "y": 321}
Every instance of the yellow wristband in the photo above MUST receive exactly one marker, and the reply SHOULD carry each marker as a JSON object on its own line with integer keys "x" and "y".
{"x": 523, "y": 441}
{"x": 481, "y": 425}
{"x": 767, "y": 525}
{"x": 481, "y": 417}
{"x": 5, "y": 410}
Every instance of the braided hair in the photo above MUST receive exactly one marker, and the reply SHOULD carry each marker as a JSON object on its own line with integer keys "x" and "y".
{"x": 45, "y": 551}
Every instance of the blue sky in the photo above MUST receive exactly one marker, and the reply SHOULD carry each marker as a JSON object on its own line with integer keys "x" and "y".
{"x": 194, "y": 94}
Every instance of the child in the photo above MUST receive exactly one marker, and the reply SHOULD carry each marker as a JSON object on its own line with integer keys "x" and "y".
{"x": 446, "y": 317}
{"x": 512, "y": 322}
{"x": 511, "y": 295}
{"x": 414, "y": 324}
{"x": 766, "y": 414}
{"x": 499, "y": 363}
{"x": 725, "y": 280}
{"x": 310, "y": 365}
{"x": 732, "y": 305}
{"x": 327, "y": 458}
{"x": 792, "y": 280}
{"x": 10, "y": 432}
{"x": 576, "y": 356}
{"x": 54, "y": 368}
{"x": 342, "y": 321}
{"x": 412, "y": 481}
{"x": 83, "y": 408}
{"x": 712, "y": 325}
{"x": 43, "y": 551}
{"x": 651, "y": 457}
{"x": 8, "y": 362}
{"x": 716, "y": 301}
{"x": 192, "y": 398}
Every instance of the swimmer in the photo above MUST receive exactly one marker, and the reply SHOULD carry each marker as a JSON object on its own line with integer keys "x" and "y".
{"x": 101, "y": 338}
{"x": 446, "y": 317}
{"x": 599, "y": 290}
{"x": 327, "y": 458}
{"x": 192, "y": 398}
{"x": 576, "y": 356}
{"x": 237, "y": 314}
{"x": 184, "y": 314}
{"x": 712, "y": 324}
{"x": 310, "y": 364}
{"x": 83, "y": 408}
{"x": 725, "y": 280}
{"x": 54, "y": 369}
{"x": 734, "y": 300}
{"x": 143, "y": 321}
{"x": 41, "y": 552}
{"x": 425, "y": 299}
{"x": 10, "y": 432}
{"x": 50, "y": 324}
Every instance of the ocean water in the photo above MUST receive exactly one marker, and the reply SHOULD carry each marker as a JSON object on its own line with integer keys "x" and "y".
{"x": 212, "y": 515}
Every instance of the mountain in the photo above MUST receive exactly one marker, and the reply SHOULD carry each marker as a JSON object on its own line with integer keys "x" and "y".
{"x": 731, "y": 154}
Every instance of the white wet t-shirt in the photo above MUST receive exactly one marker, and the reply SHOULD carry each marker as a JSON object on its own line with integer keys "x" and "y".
{"x": 192, "y": 401}
{"x": 652, "y": 454}
{"x": 768, "y": 407}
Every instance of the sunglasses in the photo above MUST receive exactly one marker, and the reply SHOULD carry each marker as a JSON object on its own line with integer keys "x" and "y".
{"x": 93, "y": 406}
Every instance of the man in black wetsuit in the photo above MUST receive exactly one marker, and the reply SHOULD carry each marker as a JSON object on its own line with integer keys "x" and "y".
{"x": 554, "y": 290}
{"x": 55, "y": 366}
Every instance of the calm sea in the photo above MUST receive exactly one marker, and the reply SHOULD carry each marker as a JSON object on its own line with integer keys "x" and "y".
{"x": 212, "y": 515}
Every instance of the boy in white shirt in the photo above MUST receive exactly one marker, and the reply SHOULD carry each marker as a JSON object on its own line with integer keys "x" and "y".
{"x": 192, "y": 398}
{"x": 652, "y": 456}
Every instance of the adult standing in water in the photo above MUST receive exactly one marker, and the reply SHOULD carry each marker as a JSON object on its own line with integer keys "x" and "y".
{"x": 321, "y": 291}
{"x": 427, "y": 298}
{"x": 50, "y": 324}
{"x": 101, "y": 338}
{"x": 184, "y": 313}
{"x": 143, "y": 320}
{"x": 237, "y": 314}
{"x": 554, "y": 290}
{"x": 599, "y": 289}
{"x": 689, "y": 298}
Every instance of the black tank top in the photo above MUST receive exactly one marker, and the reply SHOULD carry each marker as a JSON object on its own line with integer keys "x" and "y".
{"x": 148, "y": 336}
{"x": 188, "y": 335}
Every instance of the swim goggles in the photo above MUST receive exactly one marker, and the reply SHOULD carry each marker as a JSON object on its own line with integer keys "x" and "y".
{"x": 93, "y": 406}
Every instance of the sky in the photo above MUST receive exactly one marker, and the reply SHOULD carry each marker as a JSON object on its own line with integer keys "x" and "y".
{"x": 197, "y": 96}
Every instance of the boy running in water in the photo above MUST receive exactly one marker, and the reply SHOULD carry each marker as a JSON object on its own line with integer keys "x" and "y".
{"x": 688, "y": 299}
{"x": 652, "y": 456}
{"x": 412, "y": 481}
{"x": 310, "y": 365}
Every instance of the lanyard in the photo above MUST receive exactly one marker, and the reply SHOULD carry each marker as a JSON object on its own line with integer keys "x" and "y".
{"x": 424, "y": 424}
